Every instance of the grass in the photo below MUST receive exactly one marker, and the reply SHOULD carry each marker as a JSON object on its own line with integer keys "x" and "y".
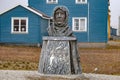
{"x": 101, "y": 61}
{"x": 94, "y": 60}
{"x": 19, "y": 57}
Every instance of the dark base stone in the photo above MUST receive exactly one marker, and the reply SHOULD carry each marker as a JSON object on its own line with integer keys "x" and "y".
{"x": 59, "y": 55}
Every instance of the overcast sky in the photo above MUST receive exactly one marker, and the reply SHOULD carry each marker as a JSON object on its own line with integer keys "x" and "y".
{"x": 115, "y": 12}
{"x": 114, "y": 7}
{"x": 8, "y": 4}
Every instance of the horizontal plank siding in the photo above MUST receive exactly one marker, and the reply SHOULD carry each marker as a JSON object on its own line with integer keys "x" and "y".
{"x": 33, "y": 36}
{"x": 96, "y": 19}
{"x": 95, "y": 11}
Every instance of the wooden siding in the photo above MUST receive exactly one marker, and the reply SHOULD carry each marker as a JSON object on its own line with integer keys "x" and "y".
{"x": 35, "y": 32}
{"x": 98, "y": 20}
{"x": 95, "y": 11}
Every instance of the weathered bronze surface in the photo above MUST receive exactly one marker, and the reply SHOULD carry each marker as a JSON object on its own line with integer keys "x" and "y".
{"x": 59, "y": 53}
{"x": 60, "y": 23}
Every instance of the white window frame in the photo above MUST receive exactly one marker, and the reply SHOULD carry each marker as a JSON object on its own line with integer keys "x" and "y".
{"x": 79, "y": 19}
{"x": 51, "y": 2}
{"x": 12, "y": 25}
{"x": 80, "y": 2}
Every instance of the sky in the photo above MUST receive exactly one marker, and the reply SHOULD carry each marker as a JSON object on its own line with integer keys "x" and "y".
{"x": 115, "y": 12}
{"x": 114, "y": 7}
{"x": 9, "y": 4}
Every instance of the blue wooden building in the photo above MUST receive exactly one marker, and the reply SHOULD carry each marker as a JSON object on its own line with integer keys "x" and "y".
{"x": 113, "y": 31}
{"x": 27, "y": 24}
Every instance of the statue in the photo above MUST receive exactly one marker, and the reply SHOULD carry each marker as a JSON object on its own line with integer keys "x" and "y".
{"x": 60, "y": 23}
{"x": 59, "y": 53}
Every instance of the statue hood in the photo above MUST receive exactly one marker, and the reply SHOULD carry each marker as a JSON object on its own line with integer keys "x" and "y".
{"x": 66, "y": 11}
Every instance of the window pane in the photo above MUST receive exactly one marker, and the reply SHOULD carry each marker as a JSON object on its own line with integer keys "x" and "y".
{"x": 16, "y": 28}
{"x": 76, "y": 20}
{"x": 82, "y": 24}
{"x": 76, "y": 24}
{"x": 16, "y": 22}
{"x": 23, "y": 22}
{"x": 49, "y": 0}
{"x": 83, "y": 0}
{"x": 76, "y": 28}
{"x": 23, "y": 28}
{"x": 79, "y": 0}
{"x": 54, "y": 0}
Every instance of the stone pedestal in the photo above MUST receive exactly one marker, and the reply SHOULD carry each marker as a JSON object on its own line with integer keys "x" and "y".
{"x": 59, "y": 55}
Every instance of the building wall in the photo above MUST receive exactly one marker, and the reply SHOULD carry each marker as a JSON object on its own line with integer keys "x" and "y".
{"x": 96, "y": 14}
{"x": 113, "y": 31}
{"x": 98, "y": 20}
{"x": 95, "y": 11}
{"x": 35, "y": 32}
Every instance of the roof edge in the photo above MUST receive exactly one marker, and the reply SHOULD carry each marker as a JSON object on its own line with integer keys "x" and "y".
{"x": 32, "y": 10}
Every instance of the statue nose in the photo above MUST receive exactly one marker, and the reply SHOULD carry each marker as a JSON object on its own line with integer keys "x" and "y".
{"x": 59, "y": 15}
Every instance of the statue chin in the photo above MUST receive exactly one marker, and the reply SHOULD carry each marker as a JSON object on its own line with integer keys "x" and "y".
{"x": 60, "y": 24}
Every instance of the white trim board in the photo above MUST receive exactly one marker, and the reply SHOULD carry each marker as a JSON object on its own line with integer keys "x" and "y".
{"x": 30, "y": 9}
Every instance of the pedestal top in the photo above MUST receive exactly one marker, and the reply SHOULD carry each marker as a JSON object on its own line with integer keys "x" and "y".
{"x": 58, "y": 38}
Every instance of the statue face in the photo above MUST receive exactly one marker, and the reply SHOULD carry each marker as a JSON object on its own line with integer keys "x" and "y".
{"x": 59, "y": 16}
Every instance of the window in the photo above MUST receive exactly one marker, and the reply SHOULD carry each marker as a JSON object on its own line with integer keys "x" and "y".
{"x": 81, "y": 1}
{"x": 79, "y": 24}
{"x": 19, "y": 25}
{"x": 52, "y": 1}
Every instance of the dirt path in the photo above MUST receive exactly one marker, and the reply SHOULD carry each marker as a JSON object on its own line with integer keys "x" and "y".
{"x": 34, "y": 75}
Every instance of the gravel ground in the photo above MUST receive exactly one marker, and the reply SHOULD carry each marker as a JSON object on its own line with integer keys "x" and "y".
{"x": 23, "y": 75}
{"x": 102, "y": 77}
{"x": 114, "y": 43}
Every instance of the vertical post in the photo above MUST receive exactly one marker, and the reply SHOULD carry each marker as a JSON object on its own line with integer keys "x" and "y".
{"x": 88, "y": 22}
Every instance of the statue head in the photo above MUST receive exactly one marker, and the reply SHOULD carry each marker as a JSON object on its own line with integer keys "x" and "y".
{"x": 59, "y": 27}
{"x": 60, "y": 16}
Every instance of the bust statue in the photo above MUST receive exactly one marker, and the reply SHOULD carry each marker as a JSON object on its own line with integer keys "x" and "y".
{"x": 59, "y": 53}
{"x": 60, "y": 23}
